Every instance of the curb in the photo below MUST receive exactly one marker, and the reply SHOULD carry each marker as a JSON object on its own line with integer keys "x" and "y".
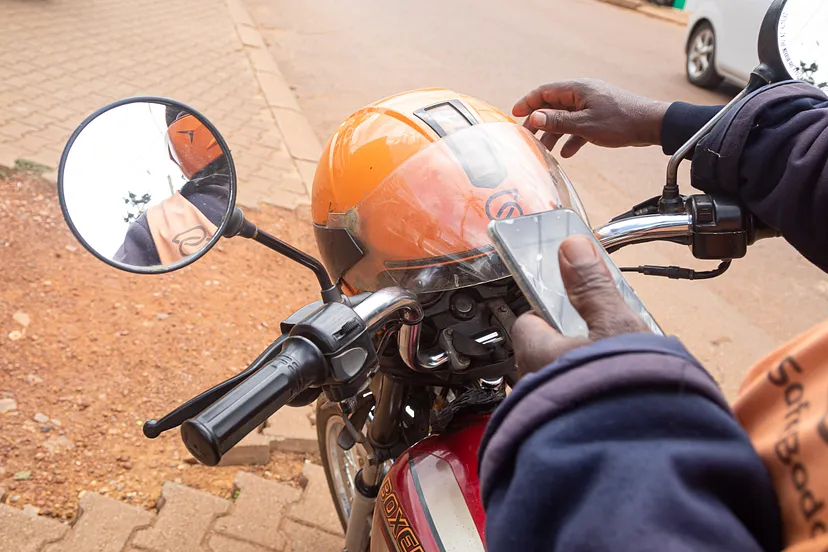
{"x": 291, "y": 429}
{"x": 301, "y": 141}
{"x": 670, "y": 15}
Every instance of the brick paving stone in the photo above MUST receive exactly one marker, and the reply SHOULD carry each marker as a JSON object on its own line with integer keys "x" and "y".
{"x": 220, "y": 543}
{"x": 307, "y": 170}
{"x": 104, "y": 525}
{"x": 239, "y": 13}
{"x": 250, "y": 36}
{"x": 6, "y": 157}
{"x": 316, "y": 506}
{"x": 254, "y": 449}
{"x": 301, "y": 538}
{"x": 257, "y": 512}
{"x": 24, "y": 533}
{"x": 118, "y": 49}
{"x": 256, "y": 189}
{"x": 289, "y": 183}
{"x": 292, "y": 430}
{"x": 275, "y": 89}
{"x": 182, "y": 522}
{"x": 301, "y": 141}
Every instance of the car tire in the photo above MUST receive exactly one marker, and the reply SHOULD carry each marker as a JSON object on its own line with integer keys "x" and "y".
{"x": 701, "y": 57}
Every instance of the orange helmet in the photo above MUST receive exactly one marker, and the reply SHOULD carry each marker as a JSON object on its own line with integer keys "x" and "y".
{"x": 191, "y": 144}
{"x": 406, "y": 187}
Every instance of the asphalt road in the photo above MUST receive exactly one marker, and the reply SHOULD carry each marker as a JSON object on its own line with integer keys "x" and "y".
{"x": 340, "y": 56}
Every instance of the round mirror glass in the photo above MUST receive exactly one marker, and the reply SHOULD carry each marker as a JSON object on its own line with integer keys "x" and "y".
{"x": 803, "y": 40}
{"x": 147, "y": 185}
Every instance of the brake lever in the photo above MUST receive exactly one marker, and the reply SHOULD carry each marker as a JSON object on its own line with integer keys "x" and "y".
{"x": 199, "y": 403}
{"x": 648, "y": 207}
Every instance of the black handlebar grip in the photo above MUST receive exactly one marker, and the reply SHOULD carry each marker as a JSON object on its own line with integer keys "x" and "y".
{"x": 218, "y": 428}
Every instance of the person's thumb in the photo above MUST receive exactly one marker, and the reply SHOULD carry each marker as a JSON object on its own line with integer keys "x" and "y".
{"x": 558, "y": 121}
{"x": 537, "y": 344}
{"x": 592, "y": 290}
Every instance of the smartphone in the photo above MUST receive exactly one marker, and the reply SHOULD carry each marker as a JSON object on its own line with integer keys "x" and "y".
{"x": 528, "y": 246}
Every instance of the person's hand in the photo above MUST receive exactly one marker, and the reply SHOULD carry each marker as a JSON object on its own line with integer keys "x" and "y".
{"x": 592, "y": 292}
{"x": 592, "y": 111}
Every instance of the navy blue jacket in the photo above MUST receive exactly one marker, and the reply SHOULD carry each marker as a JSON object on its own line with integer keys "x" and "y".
{"x": 209, "y": 196}
{"x": 627, "y": 444}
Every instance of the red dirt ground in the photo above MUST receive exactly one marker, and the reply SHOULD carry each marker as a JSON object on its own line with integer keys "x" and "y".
{"x": 105, "y": 350}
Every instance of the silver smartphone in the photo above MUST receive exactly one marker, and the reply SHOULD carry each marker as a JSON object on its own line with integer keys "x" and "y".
{"x": 529, "y": 246}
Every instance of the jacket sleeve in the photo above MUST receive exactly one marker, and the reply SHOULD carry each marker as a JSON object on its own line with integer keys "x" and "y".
{"x": 771, "y": 152}
{"x": 138, "y": 248}
{"x": 626, "y": 444}
{"x": 681, "y": 122}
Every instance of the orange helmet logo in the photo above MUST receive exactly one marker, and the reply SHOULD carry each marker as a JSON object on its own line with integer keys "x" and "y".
{"x": 504, "y": 205}
{"x": 191, "y": 144}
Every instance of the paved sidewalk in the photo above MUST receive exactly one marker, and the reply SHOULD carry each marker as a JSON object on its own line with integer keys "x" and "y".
{"x": 62, "y": 59}
{"x": 265, "y": 516}
{"x": 59, "y": 61}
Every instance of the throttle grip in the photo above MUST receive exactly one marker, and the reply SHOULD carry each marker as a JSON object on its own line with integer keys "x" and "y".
{"x": 217, "y": 429}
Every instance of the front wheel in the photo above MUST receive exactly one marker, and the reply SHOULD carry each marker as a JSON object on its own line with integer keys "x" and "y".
{"x": 701, "y": 57}
{"x": 341, "y": 466}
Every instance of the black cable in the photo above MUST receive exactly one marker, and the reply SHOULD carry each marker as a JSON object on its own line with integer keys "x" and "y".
{"x": 679, "y": 273}
{"x": 386, "y": 338}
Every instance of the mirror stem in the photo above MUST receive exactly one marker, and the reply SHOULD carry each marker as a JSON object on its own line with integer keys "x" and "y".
{"x": 240, "y": 226}
{"x": 329, "y": 292}
{"x": 670, "y": 202}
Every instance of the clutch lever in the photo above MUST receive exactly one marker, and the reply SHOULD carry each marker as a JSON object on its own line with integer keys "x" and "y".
{"x": 199, "y": 403}
{"x": 649, "y": 207}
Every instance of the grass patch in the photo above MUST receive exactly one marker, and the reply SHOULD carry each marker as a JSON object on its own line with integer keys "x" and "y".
{"x": 31, "y": 167}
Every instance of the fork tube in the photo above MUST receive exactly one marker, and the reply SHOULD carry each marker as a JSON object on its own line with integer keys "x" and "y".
{"x": 358, "y": 534}
{"x": 383, "y": 431}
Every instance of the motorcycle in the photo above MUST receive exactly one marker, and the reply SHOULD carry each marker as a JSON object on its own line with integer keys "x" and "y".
{"x": 406, "y": 359}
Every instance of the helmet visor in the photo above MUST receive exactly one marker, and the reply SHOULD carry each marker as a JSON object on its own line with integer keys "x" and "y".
{"x": 425, "y": 226}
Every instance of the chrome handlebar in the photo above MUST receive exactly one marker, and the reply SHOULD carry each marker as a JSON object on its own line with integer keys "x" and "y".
{"x": 381, "y": 305}
{"x": 644, "y": 229}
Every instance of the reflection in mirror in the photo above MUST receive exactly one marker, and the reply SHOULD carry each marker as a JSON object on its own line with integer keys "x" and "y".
{"x": 803, "y": 40}
{"x": 147, "y": 185}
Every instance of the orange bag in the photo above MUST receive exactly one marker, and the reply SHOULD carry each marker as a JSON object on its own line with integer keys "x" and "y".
{"x": 783, "y": 405}
{"x": 178, "y": 228}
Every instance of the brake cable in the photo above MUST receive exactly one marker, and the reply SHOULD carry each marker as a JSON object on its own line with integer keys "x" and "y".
{"x": 679, "y": 273}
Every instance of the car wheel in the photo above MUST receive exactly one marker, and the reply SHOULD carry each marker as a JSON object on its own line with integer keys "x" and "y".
{"x": 701, "y": 57}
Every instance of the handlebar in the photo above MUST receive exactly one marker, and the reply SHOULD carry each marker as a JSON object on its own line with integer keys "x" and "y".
{"x": 374, "y": 310}
{"x": 218, "y": 428}
{"x": 616, "y": 235}
{"x": 334, "y": 342}
{"x": 716, "y": 228}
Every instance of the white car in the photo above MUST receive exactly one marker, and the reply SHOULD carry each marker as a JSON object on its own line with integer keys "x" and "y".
{"x": 721, "y": 40}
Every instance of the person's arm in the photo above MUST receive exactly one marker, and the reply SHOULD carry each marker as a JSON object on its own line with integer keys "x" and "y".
{"x": 592, "y": 111}
{"x": 138, "y": 248}
{"x": 681, "y": 122}
{"x": 771, "y": 152}
{"x": 626, "y": 445}
{"x": 618, "y": 441}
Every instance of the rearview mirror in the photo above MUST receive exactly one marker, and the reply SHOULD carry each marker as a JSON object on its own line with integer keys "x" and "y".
{"x": 793, "y": 42}
{"x": 147, "y": 185}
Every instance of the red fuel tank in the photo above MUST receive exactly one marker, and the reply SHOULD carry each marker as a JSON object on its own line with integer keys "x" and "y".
{"x": 430, "y": 499}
